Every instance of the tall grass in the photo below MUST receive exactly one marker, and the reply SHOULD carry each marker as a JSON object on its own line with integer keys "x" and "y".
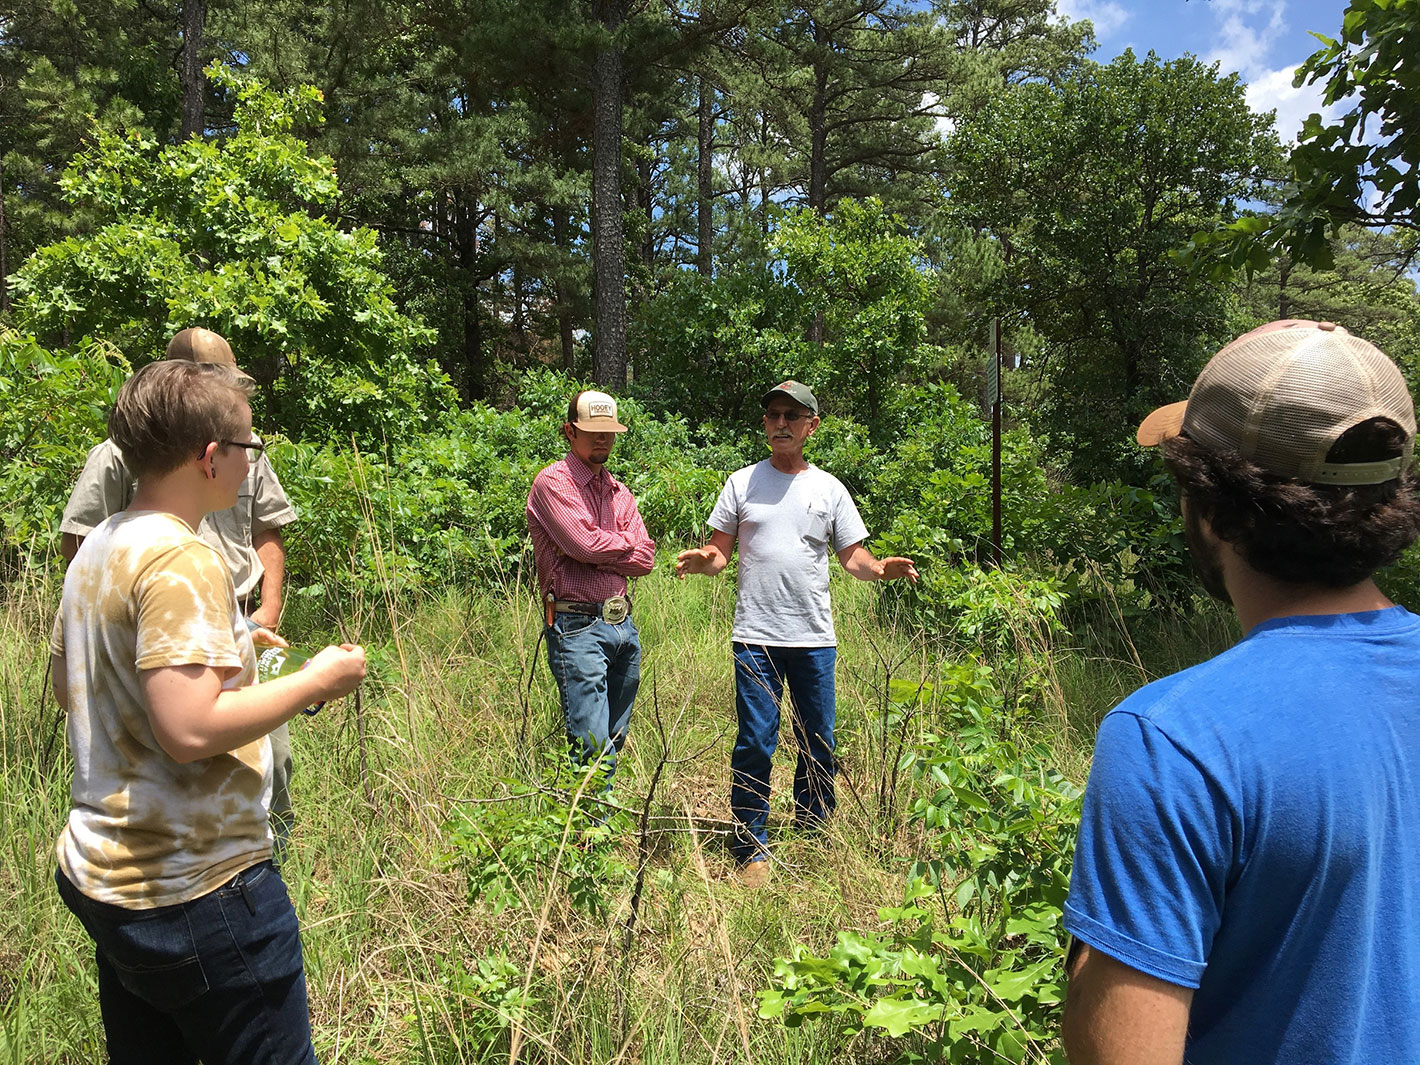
{"x": 402, "y": 966}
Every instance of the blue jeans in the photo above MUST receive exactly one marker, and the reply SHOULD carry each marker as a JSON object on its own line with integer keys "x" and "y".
{"x": 760, "y": 675}
{"x": 598, "y": 669}
{"x": 219, "y": 978}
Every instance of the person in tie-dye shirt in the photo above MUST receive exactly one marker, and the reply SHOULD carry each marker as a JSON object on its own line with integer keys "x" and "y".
{"x": 166, "y": 854}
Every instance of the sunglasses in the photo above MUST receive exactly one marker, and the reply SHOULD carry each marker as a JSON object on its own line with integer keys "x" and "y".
{"x": 251, "y": 447}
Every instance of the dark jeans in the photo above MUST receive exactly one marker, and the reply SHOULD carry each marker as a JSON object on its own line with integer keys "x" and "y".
{"x": 219, "y": 978}
{"x": 760, "y": 676}
{"x": 598, "y": 669}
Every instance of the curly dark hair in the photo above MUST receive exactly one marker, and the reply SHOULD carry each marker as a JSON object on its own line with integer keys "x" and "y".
{"x": 1332, "y": 535}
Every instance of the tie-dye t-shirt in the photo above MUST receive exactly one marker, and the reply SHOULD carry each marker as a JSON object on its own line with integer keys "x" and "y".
{"x": 144, "y": 592}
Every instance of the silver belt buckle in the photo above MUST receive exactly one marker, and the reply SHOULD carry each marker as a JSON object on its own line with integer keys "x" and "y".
{"x": 615, "y": 610}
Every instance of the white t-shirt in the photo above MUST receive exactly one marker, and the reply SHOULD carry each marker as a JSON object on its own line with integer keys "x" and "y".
{"x": 786, "y": 524}
{"x": 145, "y": 830}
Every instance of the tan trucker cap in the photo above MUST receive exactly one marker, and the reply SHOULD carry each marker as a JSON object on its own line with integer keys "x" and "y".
{"x": 596, "y": 413}
{"x": 196, "y": 344}
{"x": 1282, "y": 394}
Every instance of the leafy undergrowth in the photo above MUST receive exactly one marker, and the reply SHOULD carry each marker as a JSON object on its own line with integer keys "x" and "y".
{"x": 462, "y": 900}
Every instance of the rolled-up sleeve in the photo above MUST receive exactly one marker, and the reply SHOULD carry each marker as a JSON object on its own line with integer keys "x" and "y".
{"x": 270, "y": 506}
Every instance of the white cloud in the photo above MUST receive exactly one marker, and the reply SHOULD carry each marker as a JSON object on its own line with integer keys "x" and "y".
{"x": 1247, "y": 32}
{"x": 946, "y": 125}
{"x": 1107, "y": 15}
{"x": 1272, "y": 90}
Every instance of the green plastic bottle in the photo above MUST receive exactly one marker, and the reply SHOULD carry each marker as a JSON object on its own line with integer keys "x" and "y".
{"x": 272, "y": 662}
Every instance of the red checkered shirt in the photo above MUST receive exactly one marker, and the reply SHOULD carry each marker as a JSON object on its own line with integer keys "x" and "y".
{"x": 587, "y": 534}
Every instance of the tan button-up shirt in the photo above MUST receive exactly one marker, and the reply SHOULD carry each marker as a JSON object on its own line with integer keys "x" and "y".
{"x": 105, "y": 487}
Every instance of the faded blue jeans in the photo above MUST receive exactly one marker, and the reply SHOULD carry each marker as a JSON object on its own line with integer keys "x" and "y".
{"x": 761, "y": 673}
{"x": 598, "y": 670}
{"x": 219, "y": 978}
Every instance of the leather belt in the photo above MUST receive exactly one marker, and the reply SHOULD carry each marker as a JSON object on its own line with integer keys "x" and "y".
{"x": 612, "y": 611}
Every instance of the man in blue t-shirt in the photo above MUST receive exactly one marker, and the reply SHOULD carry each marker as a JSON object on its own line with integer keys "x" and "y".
{"x": 1247, "y": 881}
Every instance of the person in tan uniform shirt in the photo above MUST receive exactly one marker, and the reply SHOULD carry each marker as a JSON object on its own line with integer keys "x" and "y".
{"x": 165, "y": 856}
{"x": 247, "y": 536}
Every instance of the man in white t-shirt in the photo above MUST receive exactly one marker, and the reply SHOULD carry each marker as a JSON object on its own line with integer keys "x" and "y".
{"x": 787, "y": 516}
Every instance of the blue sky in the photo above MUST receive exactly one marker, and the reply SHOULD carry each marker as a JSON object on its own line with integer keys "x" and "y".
{"x": 1262, "y": 40}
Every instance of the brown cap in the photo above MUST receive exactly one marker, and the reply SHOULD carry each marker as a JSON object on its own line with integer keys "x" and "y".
{"x": 1283, "y": 394}
{"x": 196, "y": 344}
{"x": 596, "y": 413}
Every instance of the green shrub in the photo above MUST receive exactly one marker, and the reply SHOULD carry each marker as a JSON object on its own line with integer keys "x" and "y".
{"x": 514, "y": 846}
{"x": 969, "y": 967}
{"x": 53, "y": 408}
{"x": 235, "y": 233}
{"x": 931, "y": 501}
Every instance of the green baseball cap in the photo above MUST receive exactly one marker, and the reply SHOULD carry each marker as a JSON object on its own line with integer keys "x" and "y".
{"x": 796, "y": 391}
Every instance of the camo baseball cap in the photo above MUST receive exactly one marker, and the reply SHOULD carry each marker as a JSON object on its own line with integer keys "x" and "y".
{"x": 799, "y": 393}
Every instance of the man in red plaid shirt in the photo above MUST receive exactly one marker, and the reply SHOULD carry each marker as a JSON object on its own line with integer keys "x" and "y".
{"x": 588, "y": 538}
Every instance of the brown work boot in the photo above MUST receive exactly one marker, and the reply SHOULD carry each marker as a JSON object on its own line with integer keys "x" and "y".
{"x": 755, "y": 874}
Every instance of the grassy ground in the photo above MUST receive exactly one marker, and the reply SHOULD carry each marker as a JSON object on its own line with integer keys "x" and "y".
{"x": 403, "y": 967}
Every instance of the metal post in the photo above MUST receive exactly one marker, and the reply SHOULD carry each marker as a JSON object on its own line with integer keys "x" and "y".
{"x": 996, "y": 444}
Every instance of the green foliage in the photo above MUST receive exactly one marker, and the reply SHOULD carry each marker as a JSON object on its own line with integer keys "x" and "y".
{"x": 1117, "y": 545}
{"x": 710, "y": 346}
{"x": 931, "y": 501}
{"x": 53, "y": 408}
{"x": 970, "y": 964}
{"x": 1093, "y": 183}
{"x": 67, "y": 70}
{"x": 706, "y": 344}
{"x": 435, "y": 508}
{"x": 514, "y": 846}
{"x": 449, "y": 505}
{"x": 1363, "y": 168}
{"x": 933, "y": 493}
{"x": 487, "y": 999}
{"x": 234, "y": 235}
{"x": 1401, "y": 582}
{"x": 861, "y": 275}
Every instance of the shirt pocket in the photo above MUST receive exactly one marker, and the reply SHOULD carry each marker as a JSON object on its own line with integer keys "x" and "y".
{"x": 818, "y": 526}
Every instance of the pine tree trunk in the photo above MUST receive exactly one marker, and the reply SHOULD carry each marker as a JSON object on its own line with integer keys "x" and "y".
{"x": 608, "y": 237}
{"x": 467, "y": 235}
{"x": 818, "y": 130}
{"x": 564, "y": 295}
{"x": 4, "y": 249}
{"x": 194, "y": 19}
{"x": 705, "y": 203}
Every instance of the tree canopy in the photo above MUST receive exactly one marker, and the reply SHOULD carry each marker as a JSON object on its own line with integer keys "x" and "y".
{"x": 1361, "y": 168}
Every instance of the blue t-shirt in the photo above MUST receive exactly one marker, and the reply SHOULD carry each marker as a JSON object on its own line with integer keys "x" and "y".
{"x": 1251, "y": 829}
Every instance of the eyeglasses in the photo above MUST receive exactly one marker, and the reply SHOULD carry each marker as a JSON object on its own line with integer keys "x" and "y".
{"x": 790, "y": 416}
{"x": 251, "y": 447}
